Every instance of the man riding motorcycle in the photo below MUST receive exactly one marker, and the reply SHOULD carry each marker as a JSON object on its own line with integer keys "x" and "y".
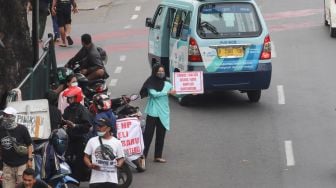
{"x": 90, "y": 60}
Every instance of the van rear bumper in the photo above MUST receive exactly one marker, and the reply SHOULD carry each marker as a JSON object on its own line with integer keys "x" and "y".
{"x": 257, "y": 80}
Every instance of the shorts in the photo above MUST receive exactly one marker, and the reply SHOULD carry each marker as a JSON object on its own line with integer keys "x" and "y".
{"x": 12, "y": 175}
{"x": 63, "y": 14}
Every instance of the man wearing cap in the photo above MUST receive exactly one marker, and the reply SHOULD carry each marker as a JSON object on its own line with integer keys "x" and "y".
{"x": 13, "y": 134}
{"x": 106, "y": 155}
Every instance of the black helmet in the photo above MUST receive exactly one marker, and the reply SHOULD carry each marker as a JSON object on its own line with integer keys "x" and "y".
{"x": 59, "y": 140}
{"x": 63, "y": 73}
{"x": 102, "y": 101}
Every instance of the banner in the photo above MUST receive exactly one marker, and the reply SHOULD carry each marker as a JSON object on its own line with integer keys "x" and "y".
{"x": 130, "y": 135}
{"x": 188, "y": 82}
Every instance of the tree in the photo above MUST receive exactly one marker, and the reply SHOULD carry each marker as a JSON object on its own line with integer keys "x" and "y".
{"x": 16, "y": 53}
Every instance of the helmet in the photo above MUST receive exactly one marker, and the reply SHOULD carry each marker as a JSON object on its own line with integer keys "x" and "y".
{"x": 105, "y": 118}
{"x": 74, "y": 91}
{"x": 59, "y": 140}
{"x": 102, "y": 101}
{"x": 63, "y": 73}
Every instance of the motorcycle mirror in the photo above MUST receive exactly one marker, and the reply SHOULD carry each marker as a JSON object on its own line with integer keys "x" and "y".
{"x": 134, "y": 97}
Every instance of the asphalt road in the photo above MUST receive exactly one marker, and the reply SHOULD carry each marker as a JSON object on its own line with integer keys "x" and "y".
{"x": 284, "y": 141}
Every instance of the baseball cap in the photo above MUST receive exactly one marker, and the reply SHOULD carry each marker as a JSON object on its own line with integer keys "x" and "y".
{"x": 10, "y": 110}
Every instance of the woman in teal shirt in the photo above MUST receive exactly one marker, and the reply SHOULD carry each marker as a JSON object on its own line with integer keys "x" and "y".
{"x": 157, "y": 89}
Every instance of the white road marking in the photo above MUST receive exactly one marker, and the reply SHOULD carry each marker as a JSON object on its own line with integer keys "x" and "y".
{"x": 273, "y": 51}
{"x": 135, "y": 16}
{"x": 127, "y": 26}
{"x": 113, "y": 82}
{"x": 118, "y": 70}
{"x": 289, "y": 153}
{"x": 281, "y": 94}
{"x": 122, "y": 58}
{"x": 137, "y": 8}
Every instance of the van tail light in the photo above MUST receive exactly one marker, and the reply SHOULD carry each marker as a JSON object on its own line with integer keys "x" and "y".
{"x": 194, "y": 54}
{"x": 266, "y": 51}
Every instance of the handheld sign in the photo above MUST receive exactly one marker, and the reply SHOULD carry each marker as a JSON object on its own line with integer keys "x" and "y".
{"x": 34, "y": 114}
{"x": 188, "y": 82}
{"x": 130, "y": 135}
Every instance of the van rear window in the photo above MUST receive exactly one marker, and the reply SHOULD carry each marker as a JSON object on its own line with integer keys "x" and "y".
{"x": 227, "y": 20}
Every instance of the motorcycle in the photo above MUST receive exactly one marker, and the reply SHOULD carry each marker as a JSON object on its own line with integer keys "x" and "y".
{"x": 47, "y": 157}
{"x": 129, "y": 122}
{"x": 90, "y": 87}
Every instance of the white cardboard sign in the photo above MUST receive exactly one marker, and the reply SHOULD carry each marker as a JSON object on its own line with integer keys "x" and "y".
{"x": 34, "y": 114}
{"x": 130, "y": 135}
{"x": 188, "y": 82}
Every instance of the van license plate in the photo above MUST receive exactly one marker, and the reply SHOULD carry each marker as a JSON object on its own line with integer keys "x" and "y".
{"x": 233, "y": 52}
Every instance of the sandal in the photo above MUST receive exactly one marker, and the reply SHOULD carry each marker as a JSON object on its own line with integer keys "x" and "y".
{"x": 62, "y": 45}
{"x": 70, "y": 41}
{"x": 160, "y": 160}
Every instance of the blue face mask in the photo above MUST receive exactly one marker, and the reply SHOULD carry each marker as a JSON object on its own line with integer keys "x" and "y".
{"x": 101, "y": 133}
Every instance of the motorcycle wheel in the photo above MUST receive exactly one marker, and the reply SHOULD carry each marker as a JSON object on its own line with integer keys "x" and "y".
{"x": 125, "y": 176}
{"x": 71, "y": 185}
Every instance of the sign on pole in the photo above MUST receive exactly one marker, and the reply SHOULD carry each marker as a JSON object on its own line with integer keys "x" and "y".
{"x": 34, "y": 114}
{"x": 188, "y": 82}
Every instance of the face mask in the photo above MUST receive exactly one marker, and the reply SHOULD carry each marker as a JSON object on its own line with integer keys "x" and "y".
{"x": 9, "y": 122}
{"x": 73, "y": 84}
{"x": 100, "y": 133}
{"x": 160, "y": 75}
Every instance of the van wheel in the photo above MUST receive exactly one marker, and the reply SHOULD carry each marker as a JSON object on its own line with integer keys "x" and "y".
{"x": 184, "y": 101}
{"x": 332, "y": 32}
{"x": 254, "y": 96}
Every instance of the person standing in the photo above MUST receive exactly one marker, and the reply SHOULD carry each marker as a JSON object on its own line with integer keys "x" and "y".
{"x": 43, "y": 14}
{"x": 30, "y": 181}
{"x": 77, "y": 123}
{"x": 103, "y": 155}
{"x": 13, "y": 135}
{"x": 157, "y": 89}
{"x": 62, "y": 10}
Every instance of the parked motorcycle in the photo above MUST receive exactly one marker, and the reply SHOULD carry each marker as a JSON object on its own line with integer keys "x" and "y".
{"x": 132, "y": 116}
{"x": 50, "y": 164}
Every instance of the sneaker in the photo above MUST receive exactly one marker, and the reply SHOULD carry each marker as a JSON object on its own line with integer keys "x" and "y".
{"x": 70, "y": 41}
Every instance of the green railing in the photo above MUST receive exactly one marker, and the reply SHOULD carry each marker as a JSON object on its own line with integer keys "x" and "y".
{"x": 37, "y": 82}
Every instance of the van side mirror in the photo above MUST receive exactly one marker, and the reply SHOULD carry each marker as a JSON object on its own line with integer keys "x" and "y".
{"x": 149, "y": 22}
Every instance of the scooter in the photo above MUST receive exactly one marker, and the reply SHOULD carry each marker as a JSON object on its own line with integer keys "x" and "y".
{"x": 60, "y": 171}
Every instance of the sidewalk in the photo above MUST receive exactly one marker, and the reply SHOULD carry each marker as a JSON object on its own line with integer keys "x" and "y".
{"x": 92, "y": 4}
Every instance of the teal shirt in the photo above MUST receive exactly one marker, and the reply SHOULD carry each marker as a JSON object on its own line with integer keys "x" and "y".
{"x": 158, "y": 104}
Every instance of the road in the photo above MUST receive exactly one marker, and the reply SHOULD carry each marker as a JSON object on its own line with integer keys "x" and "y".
{"x": 221, "y": 140}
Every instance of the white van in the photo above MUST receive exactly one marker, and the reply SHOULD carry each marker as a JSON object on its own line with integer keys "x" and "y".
{"x": 225, "y": 39}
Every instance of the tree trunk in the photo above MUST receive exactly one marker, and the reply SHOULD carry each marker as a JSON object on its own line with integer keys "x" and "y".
{"x": 15, "y": 45}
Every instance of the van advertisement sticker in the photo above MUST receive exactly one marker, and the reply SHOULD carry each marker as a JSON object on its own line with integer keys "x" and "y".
{"x": 248, "y": 62}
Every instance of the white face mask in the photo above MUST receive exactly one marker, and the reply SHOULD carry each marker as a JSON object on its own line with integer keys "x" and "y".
{"x": 100, "y": 133}
{"x": 73, "y": 84}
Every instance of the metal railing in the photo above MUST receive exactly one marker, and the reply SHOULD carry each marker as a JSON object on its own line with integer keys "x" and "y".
{"x": 37, "y": 82}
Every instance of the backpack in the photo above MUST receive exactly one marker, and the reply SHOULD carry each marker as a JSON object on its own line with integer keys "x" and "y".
{"x": 103, "y": 54}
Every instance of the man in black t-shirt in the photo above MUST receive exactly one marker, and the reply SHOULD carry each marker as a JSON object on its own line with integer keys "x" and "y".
{"x": 13, "y": 163}
{"x": 30, "y": 181}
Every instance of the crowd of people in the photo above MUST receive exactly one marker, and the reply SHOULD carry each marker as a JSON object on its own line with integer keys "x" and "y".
{"x": 92, "y": 133}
